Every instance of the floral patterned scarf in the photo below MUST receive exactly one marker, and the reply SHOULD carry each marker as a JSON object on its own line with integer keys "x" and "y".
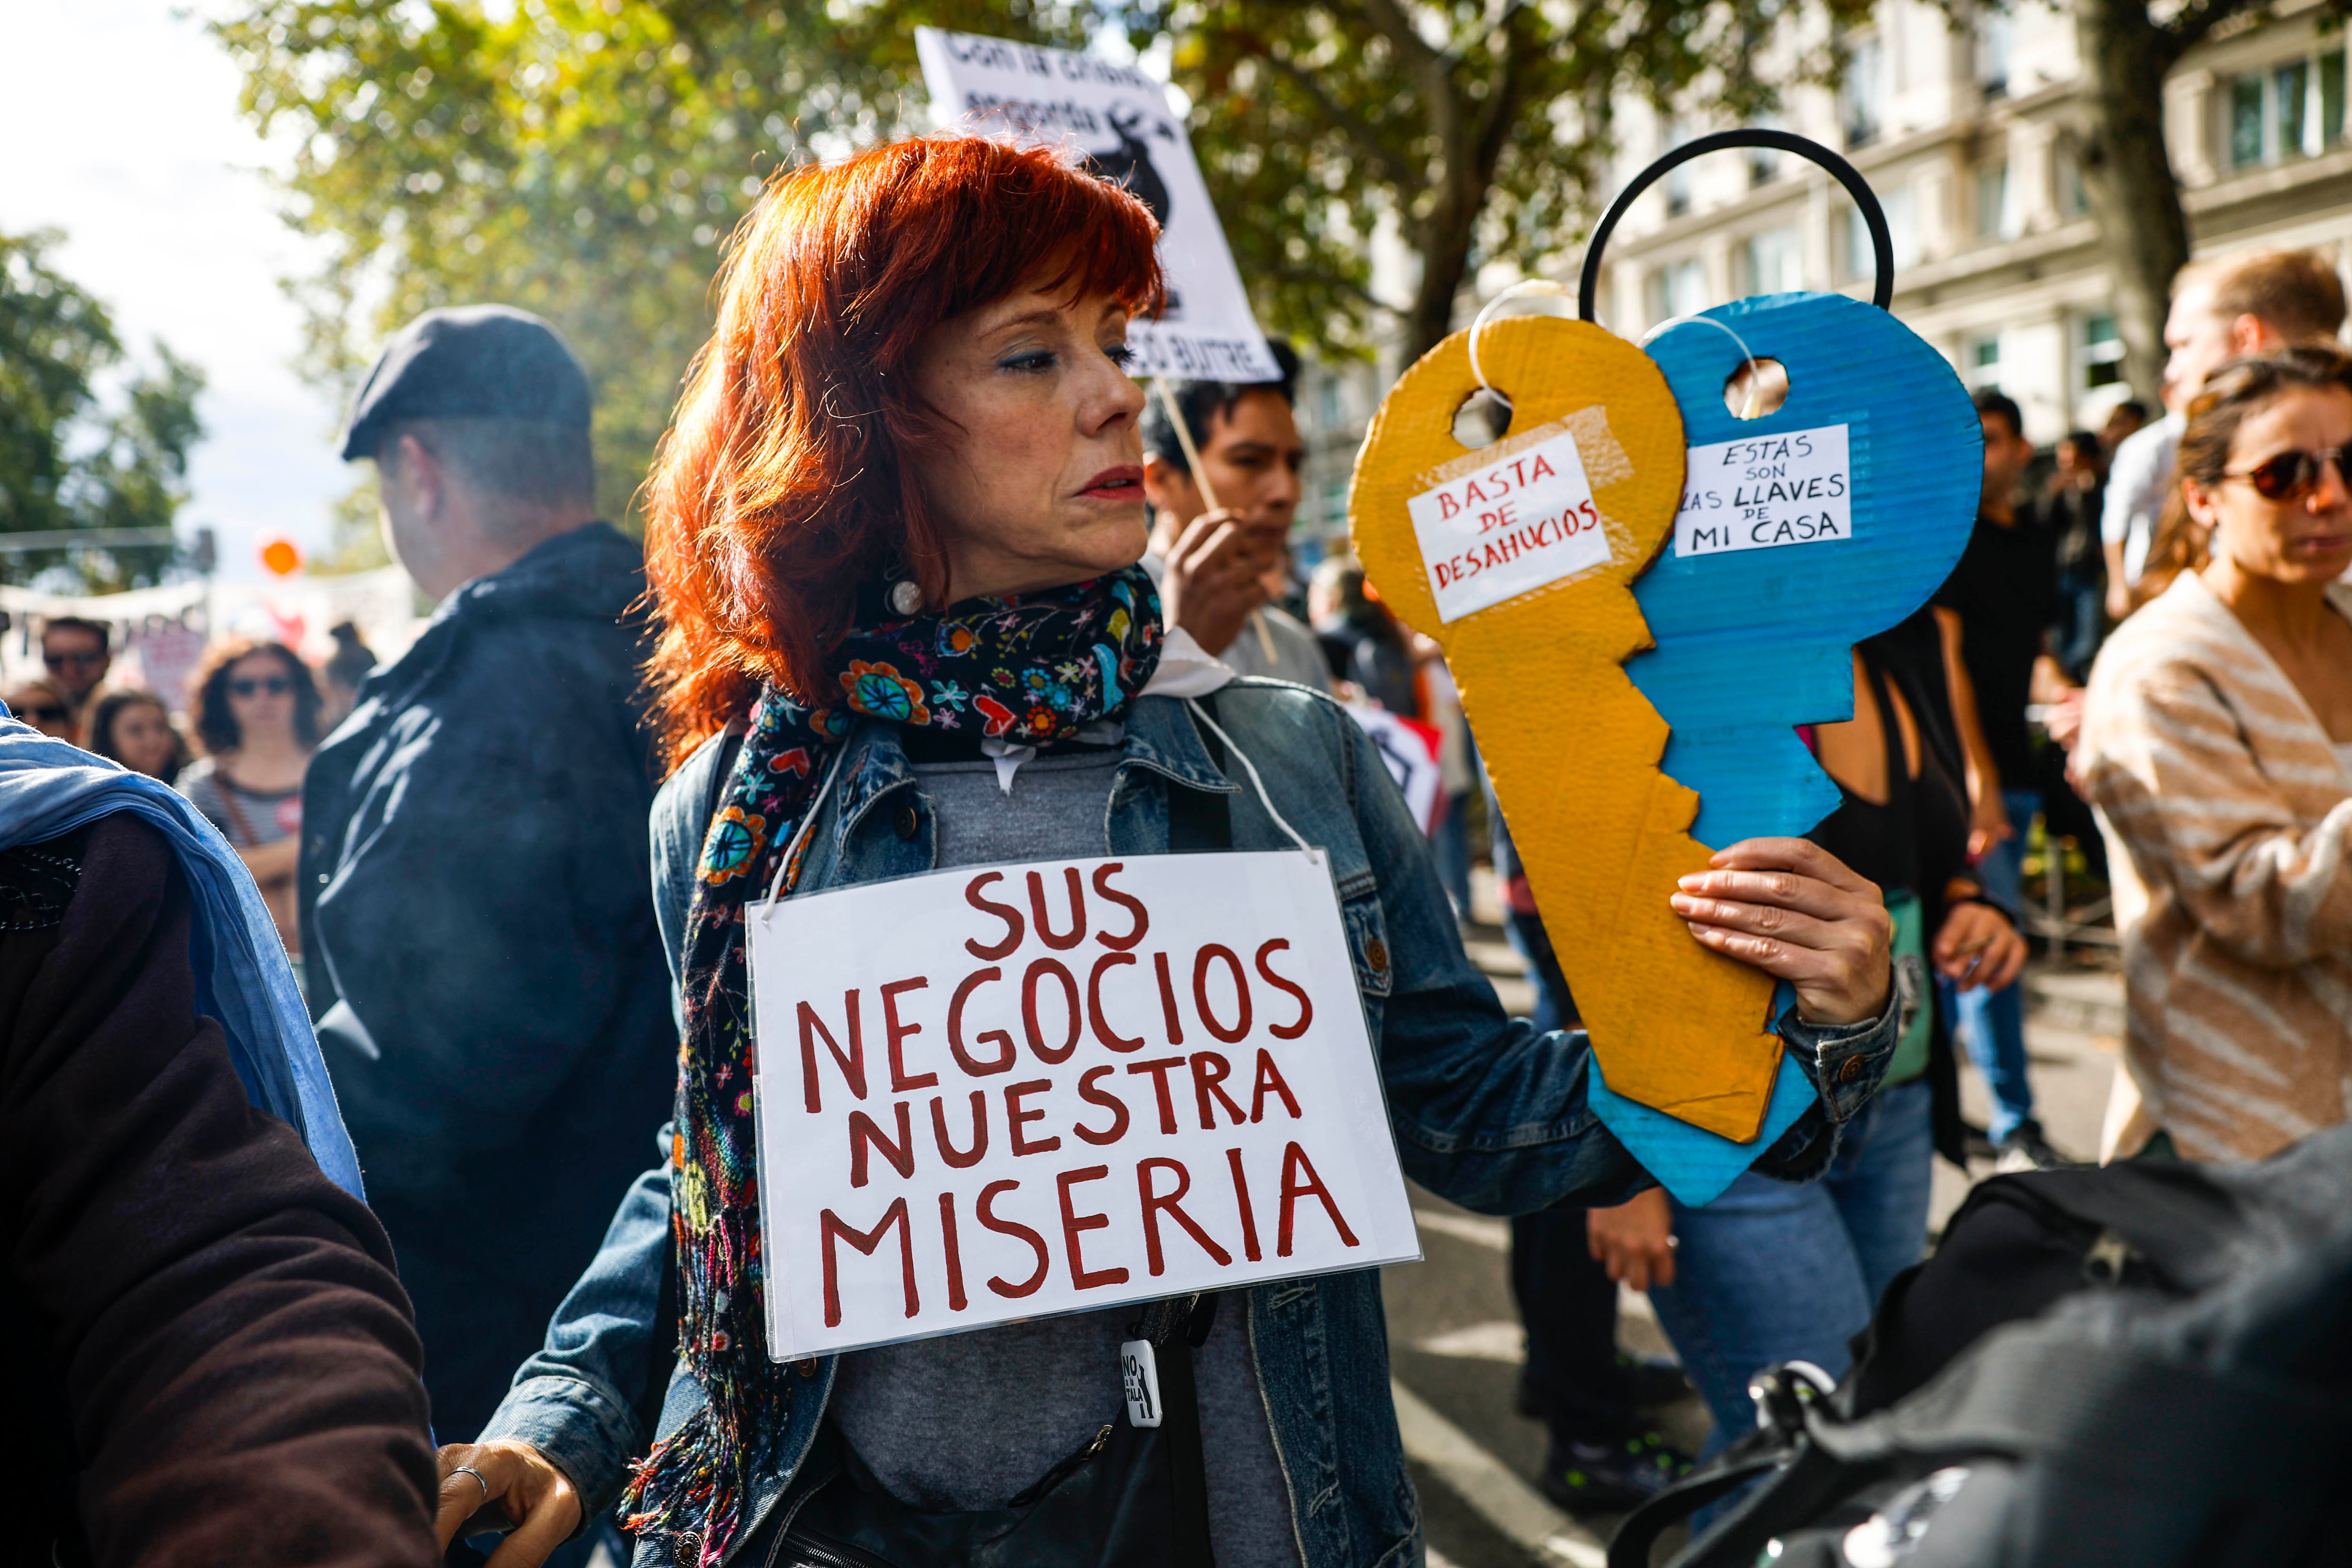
{"x": 1027, "y": 671}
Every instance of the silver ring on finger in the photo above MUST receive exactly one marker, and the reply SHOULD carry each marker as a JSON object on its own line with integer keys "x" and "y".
{"x": 469, "y": 1470}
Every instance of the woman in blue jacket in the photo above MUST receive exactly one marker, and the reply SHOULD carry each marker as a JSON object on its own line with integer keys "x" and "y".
{"x": 893, "y": 539}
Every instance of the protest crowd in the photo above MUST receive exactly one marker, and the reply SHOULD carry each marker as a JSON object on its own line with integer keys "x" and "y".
{"x": 388, "y": 1182}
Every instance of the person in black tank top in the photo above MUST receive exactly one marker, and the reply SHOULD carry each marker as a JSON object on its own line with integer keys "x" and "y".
{"x": 1771, "y": 1271}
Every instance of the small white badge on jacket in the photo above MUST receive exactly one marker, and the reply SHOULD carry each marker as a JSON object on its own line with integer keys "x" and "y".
{"x": 1140, "y": 1371}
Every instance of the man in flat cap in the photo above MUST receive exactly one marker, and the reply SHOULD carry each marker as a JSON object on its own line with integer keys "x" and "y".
{"x": 487, "y": 976}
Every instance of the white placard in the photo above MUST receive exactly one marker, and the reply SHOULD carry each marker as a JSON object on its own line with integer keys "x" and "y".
{"x": 1513, "y": 526}
{"x": 1001, "y": 1092}
{"x": 1754, "y": 494}
{"x": 1410, "y": 749}
{"x": 1119, "y": 117}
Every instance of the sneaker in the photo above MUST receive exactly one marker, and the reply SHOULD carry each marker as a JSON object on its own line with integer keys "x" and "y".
{"x": 2025, "y": 1149}
{"x": 1610, "y": 1478}
{"x": 1654, "y": 1383}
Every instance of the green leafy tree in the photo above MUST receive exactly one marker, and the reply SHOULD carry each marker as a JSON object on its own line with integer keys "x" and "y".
{"x": 581, "y": 159}
{"x": 1479, "y": 130}
{"x": 66, "y": 462}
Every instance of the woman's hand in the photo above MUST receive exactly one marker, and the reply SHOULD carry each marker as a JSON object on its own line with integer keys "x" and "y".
{"x": 1791, "y": 908}
{"x": 495, "y": 1486}
{"x": 1978, "y": 946}
{"x": 1634, "y": 1241}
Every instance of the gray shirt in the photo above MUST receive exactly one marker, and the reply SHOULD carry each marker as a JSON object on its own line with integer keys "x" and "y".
{"x": 967, "y": 1421}
{"x": 2139, "y": 480}
{"x": 1274, "y": 644}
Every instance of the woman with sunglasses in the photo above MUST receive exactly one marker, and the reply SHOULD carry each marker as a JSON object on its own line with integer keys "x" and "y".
{"x": 257, "y": 719}
{"x": 2217, "y": 741}
{"x": 40, "y": 704}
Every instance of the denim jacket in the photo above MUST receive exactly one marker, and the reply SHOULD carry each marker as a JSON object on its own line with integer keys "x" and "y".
{"x": 1486, "y": 1111}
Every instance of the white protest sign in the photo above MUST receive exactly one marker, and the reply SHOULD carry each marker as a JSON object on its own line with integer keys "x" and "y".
{"x": 1514, "y": 525}
{"x": 1795, "y": 488}
{"x": 1001, "y": 1092}
{"x": 1118, "y": 117}
{"x": 1410, "y": 749}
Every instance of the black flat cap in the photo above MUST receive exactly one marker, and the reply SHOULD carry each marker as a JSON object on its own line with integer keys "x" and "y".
{"x": 475, "y": 362}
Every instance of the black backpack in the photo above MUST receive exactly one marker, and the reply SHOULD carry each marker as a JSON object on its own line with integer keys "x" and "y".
{"x": 2148, "y": 1364}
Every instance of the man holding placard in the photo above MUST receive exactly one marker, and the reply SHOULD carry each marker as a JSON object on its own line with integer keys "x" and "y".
{"x": 1062, "y": 1016}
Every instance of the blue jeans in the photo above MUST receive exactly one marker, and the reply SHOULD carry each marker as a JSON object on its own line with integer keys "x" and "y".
{"x": 1991, "y": 1024}
{"x": 1775, "y": 1271}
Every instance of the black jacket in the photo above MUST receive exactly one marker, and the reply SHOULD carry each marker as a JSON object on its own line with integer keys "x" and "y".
{"x": 204, "y": 1356}
{"x": 491, "y": 996}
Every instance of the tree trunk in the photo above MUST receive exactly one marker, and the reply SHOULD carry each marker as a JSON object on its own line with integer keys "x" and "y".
{"x": 2127, "y": 176}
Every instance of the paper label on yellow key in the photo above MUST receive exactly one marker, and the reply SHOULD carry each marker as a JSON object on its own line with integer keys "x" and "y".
{"x": 1794, "y": 488}
{"x": 1508, "y": 527}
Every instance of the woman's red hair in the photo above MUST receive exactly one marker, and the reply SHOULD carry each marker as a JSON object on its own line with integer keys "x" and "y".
{"x": 781, "y": 489}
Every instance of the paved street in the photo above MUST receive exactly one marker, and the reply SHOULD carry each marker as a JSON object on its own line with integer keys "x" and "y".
{"x": 1454, "y": 1340}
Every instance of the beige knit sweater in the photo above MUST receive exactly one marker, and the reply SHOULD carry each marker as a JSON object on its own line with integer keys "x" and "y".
{"x": 2235, "y": 809}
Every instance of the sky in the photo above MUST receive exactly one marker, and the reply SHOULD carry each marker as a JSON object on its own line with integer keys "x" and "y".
{"x": 120, "y": 121}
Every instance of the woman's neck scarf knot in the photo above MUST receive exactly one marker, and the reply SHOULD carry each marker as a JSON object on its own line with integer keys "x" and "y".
{"x": 1028, "y": 671}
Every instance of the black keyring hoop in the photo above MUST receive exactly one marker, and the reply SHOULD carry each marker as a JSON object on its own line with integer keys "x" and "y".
{"x": 1882, "y": 246}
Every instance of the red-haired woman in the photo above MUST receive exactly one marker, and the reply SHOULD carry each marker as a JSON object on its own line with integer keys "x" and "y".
{"x": 894, "y": 537}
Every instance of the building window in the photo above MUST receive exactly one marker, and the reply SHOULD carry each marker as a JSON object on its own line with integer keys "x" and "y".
{"x": 2073, "y": 200}
{"x": 1993, "y": 221}
{"x": 1764, "y": 162}
{"x": 2330, "y": 67}
{"x": 1678, "y": 178}
{"x": 1326, "y": 402}
{"x": 1981, "y": 363}
{"x": 1902, "y": 234}
{"x": 1993, "y": 52}
{"x": 1862, "y": 102}
{"x": 1773, "y": 262}
{"x": 1334, "y": 505}
{"x": 2294, "y": 110}
{"x": 1677, "y": 288}
{"x": 2100, "y": 352}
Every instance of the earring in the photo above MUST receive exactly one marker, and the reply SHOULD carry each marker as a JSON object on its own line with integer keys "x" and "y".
{"x": 906, "y": 597}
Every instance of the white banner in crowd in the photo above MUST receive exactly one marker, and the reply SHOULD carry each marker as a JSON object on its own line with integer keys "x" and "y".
{"x": 160, "y": 634}
{"x": 1118, "y": 117}
{"x": 998, "y": 1093}
{"x": 1410, "y": 748}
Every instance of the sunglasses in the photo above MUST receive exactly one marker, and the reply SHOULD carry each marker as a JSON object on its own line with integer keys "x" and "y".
{"x": 79, "y": 660}
{"x": 276, "y": 684}
{"x": 2291, "y": 476}
{"x": 46, "y": 713}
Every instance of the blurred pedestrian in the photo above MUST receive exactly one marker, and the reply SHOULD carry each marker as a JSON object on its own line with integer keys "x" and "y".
{"x": 1218, "y": 570}
{"x": 1362, "y": 643}
{"x": 208, "y": 1357}
{"x": 339, "y": 676}
{"x": 77, "y": 653}
{"x": 2002, "y": 598}
{"x": 2217, "y": 740}
{"x": 257, "y": 713}
{"x": 2125, "y": 420}
{"x": 489, "y": 980}
{"x": 135, "y": 729}
{"x": 40, "y": 704}
{"x": 2072, "y": 509}
{"x": 2236, "y": 305}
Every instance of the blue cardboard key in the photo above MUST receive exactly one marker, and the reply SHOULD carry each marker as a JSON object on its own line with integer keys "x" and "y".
{"x": 1803, "y": 531}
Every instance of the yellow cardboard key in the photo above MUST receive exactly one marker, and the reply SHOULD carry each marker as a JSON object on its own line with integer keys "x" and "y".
{"x": 1518, "y": 557}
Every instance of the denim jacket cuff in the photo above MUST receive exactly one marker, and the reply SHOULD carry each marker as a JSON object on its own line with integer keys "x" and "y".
{"x": 581, "y": 1431}
{"x": 1845, "y": 1060}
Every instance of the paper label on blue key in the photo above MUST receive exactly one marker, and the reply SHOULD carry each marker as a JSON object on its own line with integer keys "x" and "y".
{"x": 1763, "y": 491}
